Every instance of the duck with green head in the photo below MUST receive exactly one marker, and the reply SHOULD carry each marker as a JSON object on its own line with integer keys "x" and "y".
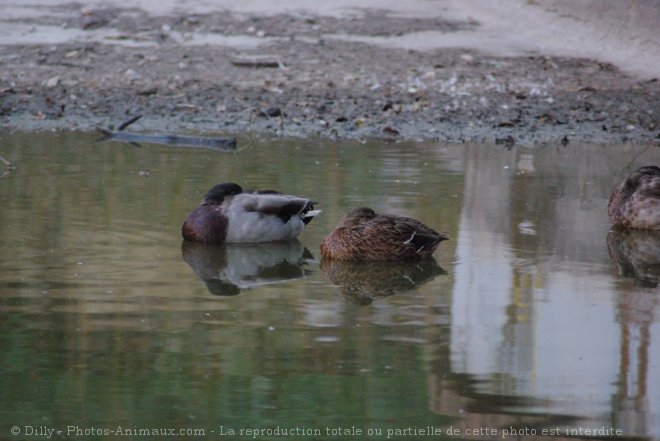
{"x": 229, "y": 214}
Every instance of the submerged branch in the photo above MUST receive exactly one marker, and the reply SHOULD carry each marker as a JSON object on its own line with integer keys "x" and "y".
{"x": 10, "y": 167}
{"x": 212, "y": 143}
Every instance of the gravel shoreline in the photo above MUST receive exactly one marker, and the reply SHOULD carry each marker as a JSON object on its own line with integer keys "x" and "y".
{"x": 321, "y": 84}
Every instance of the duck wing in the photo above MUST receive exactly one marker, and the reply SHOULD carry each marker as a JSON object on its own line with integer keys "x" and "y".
{"x": 275, "y": 204}
{"x": 387, "y": 237}
{"x": 413, "y": 232}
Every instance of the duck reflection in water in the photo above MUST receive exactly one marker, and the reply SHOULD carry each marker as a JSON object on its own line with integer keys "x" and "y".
{"x": 361, "y": 282}
{"x": 637, "y": 254}
{"x": 228, "y": 269}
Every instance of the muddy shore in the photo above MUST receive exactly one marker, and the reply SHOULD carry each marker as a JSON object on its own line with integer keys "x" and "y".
{"x": 311, "y": 83}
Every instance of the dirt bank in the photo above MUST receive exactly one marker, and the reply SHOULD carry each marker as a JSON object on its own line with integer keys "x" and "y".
{"x": 80, "y": 67}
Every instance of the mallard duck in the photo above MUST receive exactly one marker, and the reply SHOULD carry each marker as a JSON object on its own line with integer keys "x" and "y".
{"x": 635, "y": 202}
{"x": 364, "y": 235}
{"x": 229, "y": 214}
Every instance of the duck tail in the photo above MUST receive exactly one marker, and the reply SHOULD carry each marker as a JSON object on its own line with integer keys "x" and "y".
{"x": 426, "y": 241}
{"x": 309, "y": 215}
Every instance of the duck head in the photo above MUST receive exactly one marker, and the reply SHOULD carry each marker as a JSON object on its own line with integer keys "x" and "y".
{"x": 356, "y": 215}
{"x": 630, "y": 184}
{"x": 217, "y": 195}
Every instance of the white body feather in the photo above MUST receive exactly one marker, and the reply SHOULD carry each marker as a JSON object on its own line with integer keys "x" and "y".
{"x": 249, "y": 223}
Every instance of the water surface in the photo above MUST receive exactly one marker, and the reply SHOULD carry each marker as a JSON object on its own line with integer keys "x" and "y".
{"x": 533, "y": 316}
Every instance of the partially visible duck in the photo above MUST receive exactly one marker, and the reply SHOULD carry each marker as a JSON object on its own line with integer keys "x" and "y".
{"x": 635, "y": 202}
{"x": 364, "y": 235}
{"x": 229, "y": 214}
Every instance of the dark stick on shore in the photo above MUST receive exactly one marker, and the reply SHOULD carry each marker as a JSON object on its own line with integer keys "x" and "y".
{"x": 256, "y": 61}
{"x": 221, "y": 144}
{"x": 128, "y": 123}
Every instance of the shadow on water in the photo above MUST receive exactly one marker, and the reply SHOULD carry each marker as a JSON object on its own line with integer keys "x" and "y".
{"x": 228, "y": 269}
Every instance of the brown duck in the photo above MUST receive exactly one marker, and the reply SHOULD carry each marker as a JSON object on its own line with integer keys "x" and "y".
{"x": 363, "y": 235}
{"x": 635, "y": 202}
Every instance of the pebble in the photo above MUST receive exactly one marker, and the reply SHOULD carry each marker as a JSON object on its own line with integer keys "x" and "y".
{"x": 52, "y": 82}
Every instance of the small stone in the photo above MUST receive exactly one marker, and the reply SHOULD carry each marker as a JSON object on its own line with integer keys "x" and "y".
{"x": 132, "y": 75}
{"x": 52, "y": 82}
{"x": 148, "y": 90}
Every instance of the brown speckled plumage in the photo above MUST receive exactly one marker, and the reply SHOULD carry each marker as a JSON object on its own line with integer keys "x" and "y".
{"x": 635, "y": 202}
{"x": 364, "y": 235}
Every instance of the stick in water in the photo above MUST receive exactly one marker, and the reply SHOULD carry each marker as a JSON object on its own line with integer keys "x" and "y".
{"x": 224, "y": 144}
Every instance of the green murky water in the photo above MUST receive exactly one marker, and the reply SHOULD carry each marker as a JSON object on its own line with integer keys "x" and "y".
{"x": 524, "y": 321}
